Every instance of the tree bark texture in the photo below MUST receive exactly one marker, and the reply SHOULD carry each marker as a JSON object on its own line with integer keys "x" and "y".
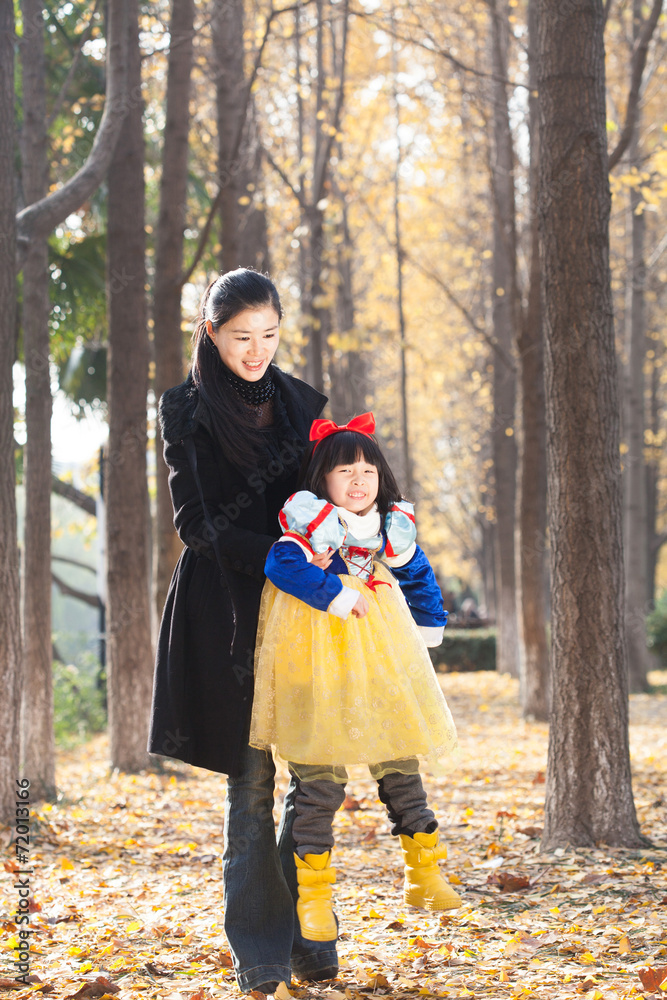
{"x": 636, "y": 525}
{"x": 486, "y": 560}
{"x": 535, "y": 696}
{"x": 37, "y": 733}
{"x": 589, "y": 789}
{"x": 130, "y": 660}
{"x": 167, "y": 333}
{"x": 37, "y": 220}
{"x": 315, "y": 303}
{"x": 654, "y": 538}
{"x": 505, "y": 326}
{"x": 10, "y": 622}
{"x": 349, "y": 374}
{"x": 244, "y": 236}
{"x": 407, "y": 477}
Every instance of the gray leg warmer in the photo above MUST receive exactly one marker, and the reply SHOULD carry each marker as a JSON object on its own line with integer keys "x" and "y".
{"x": 405, "y": 799}
{"x": 315, "y": 804}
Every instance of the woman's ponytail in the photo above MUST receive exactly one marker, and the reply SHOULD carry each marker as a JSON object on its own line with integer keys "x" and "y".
{"x": 199, "y": 334}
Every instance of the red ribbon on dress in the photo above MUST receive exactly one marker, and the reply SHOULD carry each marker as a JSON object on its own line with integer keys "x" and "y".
{"x": 372, "y": 582}
{"x": 363, "y": 424}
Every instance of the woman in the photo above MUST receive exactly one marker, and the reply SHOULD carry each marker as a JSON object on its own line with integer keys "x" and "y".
{"x": 233, "y": 434}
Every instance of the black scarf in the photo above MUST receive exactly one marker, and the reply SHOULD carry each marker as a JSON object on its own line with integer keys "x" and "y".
{"x": 252, "y": 393}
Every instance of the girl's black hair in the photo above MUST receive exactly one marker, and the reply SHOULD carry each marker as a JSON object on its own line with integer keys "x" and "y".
{"x": 345, "y": 448}
{"x": 235, "y": 430}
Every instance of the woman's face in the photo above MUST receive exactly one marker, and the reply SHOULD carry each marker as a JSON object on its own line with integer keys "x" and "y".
{"x": 248, "y": 341}
{"x": 353, "y": 487}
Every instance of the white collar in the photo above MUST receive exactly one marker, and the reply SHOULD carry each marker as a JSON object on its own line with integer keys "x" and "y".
{"x": 362, "y": 525}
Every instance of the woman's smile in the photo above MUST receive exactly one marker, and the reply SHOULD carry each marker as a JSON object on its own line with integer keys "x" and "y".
{"x": 248, "y": 342}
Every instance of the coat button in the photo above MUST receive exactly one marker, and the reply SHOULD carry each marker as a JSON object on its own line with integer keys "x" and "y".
{"x": 250, "y": 570}
{"x": 238, "y": 564}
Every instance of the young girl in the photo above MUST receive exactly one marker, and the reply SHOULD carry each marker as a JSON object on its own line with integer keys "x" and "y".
{"x": 342, "y": 674}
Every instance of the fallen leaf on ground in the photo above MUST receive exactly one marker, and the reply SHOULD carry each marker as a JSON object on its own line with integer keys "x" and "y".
{"x": 652, "y": 977}
{"x": 508, "y": 881}
{"x": 534, "y": 832}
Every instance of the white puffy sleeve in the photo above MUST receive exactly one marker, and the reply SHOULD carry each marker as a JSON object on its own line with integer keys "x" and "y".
{"x": 401, "y": 532}
{"x": 312, "y": 523}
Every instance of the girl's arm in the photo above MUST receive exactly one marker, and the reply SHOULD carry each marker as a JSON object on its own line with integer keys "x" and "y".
{"x": 289, "y": 568}
{"x": 422, "y": 593}
{"x": 241, "y": 549}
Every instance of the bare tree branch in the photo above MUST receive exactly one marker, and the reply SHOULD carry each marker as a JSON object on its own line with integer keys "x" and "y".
{"x": 38, "y": 220}
{"x": 434, "y": 50}
{"x": 74, "y": 562}
{"x": 467, "y": 315}
{"x": 491, "y": 341}
{"x": 215, "y": 204}
{"x": 76, "y": 496}
{"x": 79, "y": 595}
{"x": 639, "y": 57}
{"x": 285, "y": 179}
{"x": 83, "y": 38}
{"x": 658, "y": 541}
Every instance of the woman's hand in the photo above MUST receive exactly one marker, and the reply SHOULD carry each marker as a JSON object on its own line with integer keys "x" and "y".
{"x": 361, "y": 607}
{"x": 322, "y": 559}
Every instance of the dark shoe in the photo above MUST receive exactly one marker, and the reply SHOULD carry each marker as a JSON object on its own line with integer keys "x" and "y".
{"x": 267, "y": 987}
{"x": 320, "y": 975}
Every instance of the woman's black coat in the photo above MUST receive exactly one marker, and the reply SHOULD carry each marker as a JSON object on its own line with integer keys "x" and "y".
{"x": 202, "y": 693}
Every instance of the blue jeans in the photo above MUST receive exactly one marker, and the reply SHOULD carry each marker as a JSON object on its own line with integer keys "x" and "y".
{"x": 260, "y": 883}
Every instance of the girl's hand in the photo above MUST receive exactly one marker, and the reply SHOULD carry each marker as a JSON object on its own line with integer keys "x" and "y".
{"x": 361, "y": 607}
{"x": 322, "y": 559}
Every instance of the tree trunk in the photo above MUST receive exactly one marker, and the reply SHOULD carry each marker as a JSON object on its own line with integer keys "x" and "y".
{"x": 314, "y": 305}
{"x": 167, "y": 334}
{"x": 37, "y": 220}
{"x": 314, "y": 302}
{"x": 10, "y": 623}
{"x": 486, "y": 556}
{"x": 244, "y": 238}
{"x": 37, "y": 733}
{"x": 349, "y": 374}
{"x": 535, "y": 697}
{"x": 407, "y": 477}
{"x": 505, "y": 314}
{"x": 589, "y": 789}
{"x": 654, "y": 539}
{"x": 128, "y": 608}
{"x": 636, "y": 526}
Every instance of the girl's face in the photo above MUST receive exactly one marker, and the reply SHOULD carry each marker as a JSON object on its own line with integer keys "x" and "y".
{"x": 248, "y": 342}
{"x": 353, "y": 487}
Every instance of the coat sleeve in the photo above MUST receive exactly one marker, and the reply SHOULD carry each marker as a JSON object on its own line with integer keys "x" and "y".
{"x": 288, "y": 568}
{"x": 422, "y": 593}
{"x": 241, "y": 549}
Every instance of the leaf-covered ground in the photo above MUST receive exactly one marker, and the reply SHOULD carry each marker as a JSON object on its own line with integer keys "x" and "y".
{"x": 128, "y": 885}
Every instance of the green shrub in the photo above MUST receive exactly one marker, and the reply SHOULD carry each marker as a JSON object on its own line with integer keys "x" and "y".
{"x": 78, "y": 703}
{"x": 656, "y": 629}
{"x": 466, "y": 649}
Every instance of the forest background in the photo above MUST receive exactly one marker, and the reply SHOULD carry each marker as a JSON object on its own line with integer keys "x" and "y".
{"x": 382, "y": 162}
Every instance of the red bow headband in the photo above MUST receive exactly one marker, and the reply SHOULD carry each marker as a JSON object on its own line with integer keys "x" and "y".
{"x": 363, "y": 424}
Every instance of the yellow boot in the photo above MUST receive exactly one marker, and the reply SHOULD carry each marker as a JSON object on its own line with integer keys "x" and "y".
{"x": 424, "y": 885}
{"x": 314, "y": 910}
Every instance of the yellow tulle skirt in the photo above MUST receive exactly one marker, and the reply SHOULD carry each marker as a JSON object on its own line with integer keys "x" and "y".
{"x": 330, "y": 692}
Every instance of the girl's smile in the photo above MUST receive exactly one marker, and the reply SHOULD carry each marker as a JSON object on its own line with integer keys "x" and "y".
{"x": 248, "y": 342}
{"x": 353, "y": 487}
